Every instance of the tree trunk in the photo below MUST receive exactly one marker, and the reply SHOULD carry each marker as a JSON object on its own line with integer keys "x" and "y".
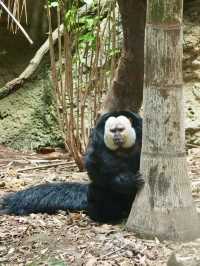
{"x": 164, "y": 208}
{"x": 127, "y": 87}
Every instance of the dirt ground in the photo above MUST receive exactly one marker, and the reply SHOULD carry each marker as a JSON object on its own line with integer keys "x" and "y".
{"x": 73, "y": 239}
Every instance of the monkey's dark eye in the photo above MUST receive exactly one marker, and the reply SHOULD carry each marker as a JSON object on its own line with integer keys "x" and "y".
{"x": 120, "y": 129}
{"x": 113, "y": 130}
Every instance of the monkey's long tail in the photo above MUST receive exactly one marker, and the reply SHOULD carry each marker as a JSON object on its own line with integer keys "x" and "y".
{"x": 46, "y": 198}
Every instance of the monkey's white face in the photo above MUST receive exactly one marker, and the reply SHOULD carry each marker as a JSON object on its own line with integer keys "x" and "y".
{"x": 119, "y": 133}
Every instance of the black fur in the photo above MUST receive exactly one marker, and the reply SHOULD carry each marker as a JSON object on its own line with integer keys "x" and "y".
{"x": 107, "y": 198}
{"x": 46, "y": 198}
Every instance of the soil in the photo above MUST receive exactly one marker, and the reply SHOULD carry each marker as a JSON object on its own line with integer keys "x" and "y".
{"x": 72, "y": 239}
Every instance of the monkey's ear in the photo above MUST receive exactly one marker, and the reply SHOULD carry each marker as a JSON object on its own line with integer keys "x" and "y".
{"x": 131, "y": 120}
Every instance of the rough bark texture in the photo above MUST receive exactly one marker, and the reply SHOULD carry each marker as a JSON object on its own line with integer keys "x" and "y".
{"x": 127, "y": 87}
{"x": 164, "y": 205}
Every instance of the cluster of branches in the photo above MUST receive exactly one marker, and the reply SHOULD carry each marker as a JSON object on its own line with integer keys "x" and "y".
{"x": 82, "y": 66}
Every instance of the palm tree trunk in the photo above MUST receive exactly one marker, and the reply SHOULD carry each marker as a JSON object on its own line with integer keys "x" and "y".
{"x": 164, "y": 208}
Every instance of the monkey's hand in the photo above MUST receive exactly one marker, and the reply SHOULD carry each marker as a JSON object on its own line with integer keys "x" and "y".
{"x": 127, "y": 182}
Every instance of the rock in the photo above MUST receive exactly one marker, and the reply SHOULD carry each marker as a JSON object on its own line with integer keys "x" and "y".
{"x": 187, "y": 255}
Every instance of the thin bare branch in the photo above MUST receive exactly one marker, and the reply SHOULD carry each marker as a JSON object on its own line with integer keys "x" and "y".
{"x": 16, "y": 21}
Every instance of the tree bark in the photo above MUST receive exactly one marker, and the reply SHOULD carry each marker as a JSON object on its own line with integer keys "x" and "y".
{"x": 164, "y": 208}
{"x": 127, "y": 87}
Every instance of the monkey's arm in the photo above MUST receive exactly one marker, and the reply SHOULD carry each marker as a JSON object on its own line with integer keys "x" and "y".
{"x": 100, "y": 167}
{"x": 95, "y": 162}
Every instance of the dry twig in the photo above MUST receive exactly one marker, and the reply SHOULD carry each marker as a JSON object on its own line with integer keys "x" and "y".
{"x": 71, "y": 163}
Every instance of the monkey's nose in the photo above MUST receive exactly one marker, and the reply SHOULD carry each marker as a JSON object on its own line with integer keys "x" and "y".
{"x": 118, "y": 140}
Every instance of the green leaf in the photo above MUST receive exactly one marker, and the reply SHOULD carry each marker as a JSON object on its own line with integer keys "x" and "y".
{"x": 88, "y": 37}
{"x": 70, "y": 20}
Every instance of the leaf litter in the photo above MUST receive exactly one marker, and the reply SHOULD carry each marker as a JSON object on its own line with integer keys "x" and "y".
{"x": 72, "y": 239}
